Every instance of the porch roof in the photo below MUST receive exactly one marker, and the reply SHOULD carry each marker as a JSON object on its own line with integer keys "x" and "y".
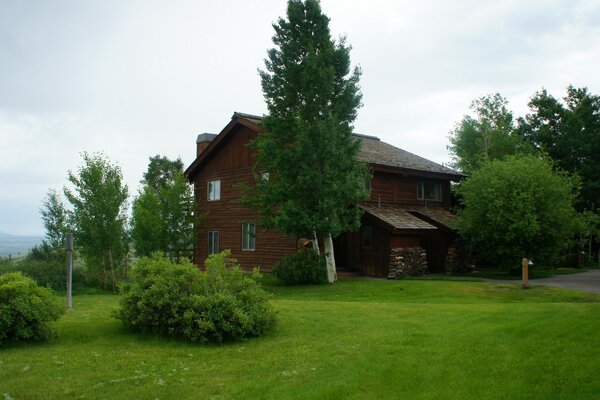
{"x": 397, "y": 218}
{"x": 436, "y": 216}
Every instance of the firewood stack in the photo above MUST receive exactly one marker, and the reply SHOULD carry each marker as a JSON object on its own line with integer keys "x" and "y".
{"x": 457, "y": 261}
{"x": 407, "y": 261}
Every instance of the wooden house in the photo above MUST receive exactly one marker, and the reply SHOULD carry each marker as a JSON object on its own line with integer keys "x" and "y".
{"x": 409, "y": 205}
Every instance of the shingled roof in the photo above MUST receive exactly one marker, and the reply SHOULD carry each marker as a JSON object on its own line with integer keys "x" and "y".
{"x": 397, "y": 218}
{"x": 374, "y": 151}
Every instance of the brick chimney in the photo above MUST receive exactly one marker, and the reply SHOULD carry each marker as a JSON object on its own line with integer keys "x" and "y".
{"x": 203, "y": 141}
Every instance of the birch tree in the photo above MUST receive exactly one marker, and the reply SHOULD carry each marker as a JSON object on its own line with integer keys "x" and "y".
{"x": 99, "y": 201}
{"x": 315, "y": 181}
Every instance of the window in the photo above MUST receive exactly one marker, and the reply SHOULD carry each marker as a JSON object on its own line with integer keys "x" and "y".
{"x": 366, "y": 237}
{"x": 214, "y": 190}
{"x": 213, "y": 242}
{"x": 248, "y": 236}
{"x": 428, "y": 190}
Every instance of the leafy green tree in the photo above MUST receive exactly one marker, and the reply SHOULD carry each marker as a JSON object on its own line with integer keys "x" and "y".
{"x": 162, "y": 172}
{"x": 490, "y": 135}
{"x": 163, "y": 212}
{"x": 99, "y": 201}
{"x": 315, "y": 181}
{"x": 589, "y": 232}
{"x": 570, "y": 134}
{"x": 55, "y": 219}
{"x": 515, "y": 208}
{"x": 146, "y": 223}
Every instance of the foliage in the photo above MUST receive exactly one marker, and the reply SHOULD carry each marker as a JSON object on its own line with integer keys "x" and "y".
{"x": 178, "y": 300}
{"x": 315, "y": 180}
{"x": 26, "y": 310}
{"x": 588, "y": 232}
{"x": 489, "y": 136}
{"x": 45, "y": 252}
{"x": 302, "y": 268}
{"x": 163, "y": 213}
{"x": 52, "y": 273}
{"x": 570, "y": 134}
{"x": 517, "y": 208}
{"x": 55, "y": 220}
{"x": 99, "y": 217}
{"x": 161, "y": 172}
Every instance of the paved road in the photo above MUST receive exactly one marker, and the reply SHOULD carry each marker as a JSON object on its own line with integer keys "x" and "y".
{"x": 587, "y": 281}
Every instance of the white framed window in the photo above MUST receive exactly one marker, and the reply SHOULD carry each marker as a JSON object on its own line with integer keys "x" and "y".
{"x": 213, "y": 242}
{"x": 214, "y": 190}
{"x": 248, "y": 236}
{"x": 428, "y": 190}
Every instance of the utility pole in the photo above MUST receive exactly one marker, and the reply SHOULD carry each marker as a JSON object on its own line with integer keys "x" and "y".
{"x": 69, "y": 270}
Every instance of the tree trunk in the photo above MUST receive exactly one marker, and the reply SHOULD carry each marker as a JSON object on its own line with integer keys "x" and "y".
{"x": 315, "y": 243}
{"x": 330, "y": 259}
{"x": 112, "y": 271}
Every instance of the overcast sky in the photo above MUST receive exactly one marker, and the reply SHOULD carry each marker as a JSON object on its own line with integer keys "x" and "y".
{"x": 139, "y": 78}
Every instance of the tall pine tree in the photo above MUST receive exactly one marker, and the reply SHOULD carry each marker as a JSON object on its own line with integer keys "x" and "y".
{"x": 315, "y": 180}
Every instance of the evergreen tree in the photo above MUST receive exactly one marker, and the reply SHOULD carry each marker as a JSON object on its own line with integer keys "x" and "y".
{"x": 569, "y": 133}
{"x": 163, "y": 212}
{"x": 315, "y": 181}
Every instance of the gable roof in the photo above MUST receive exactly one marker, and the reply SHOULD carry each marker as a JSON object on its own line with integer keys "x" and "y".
{"x": 373, "y": 151}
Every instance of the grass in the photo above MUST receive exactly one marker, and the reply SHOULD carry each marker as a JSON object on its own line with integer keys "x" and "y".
{"x": 534, "y": 273}
{"x": 358, "y": 339}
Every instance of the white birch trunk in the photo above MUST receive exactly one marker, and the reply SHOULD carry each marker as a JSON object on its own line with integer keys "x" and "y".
{"x": 330, "y": 259}
{"x": 315, "y": 243}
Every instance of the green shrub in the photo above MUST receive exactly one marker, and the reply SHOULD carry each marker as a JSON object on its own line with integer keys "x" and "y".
{"x": 304, "y": 267}
{"x": 26, "y": 309}
{"x": 52, "y": 274}
{"x": 178, "y": 300}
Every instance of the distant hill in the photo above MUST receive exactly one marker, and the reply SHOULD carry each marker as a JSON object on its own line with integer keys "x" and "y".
{"x": 15, "y": 244}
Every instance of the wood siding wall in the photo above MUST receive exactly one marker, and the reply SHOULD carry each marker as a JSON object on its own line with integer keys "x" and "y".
{"x": 232, "y": 165}
{"x": 401, "y": 190}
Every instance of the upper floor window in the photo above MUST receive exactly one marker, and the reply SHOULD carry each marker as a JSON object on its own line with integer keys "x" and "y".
{"x": 214, "y": 190}
{"x": 213, "y": 242}
{"x": 248, "y": 236}
{"x": 428, "y": 190}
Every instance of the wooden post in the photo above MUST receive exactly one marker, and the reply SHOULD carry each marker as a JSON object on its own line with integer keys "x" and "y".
{"x": 69, "y": 270}
{"x": 525, "y": 270}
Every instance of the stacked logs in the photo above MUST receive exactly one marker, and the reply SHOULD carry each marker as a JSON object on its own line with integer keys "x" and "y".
{"x": 457, "y": 261}
{"x": 407, "y": 261}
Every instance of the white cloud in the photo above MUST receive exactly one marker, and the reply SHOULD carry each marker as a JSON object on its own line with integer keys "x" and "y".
{"x": 139, "y": 78}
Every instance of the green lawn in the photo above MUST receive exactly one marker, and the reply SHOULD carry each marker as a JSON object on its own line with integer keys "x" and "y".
{"x": 358, "y": 339}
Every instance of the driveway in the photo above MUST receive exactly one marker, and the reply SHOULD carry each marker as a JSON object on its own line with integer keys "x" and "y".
{"x": 587, "y": 281}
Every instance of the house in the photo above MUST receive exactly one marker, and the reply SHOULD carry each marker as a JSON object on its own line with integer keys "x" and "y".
{"x": 409, "y": 205}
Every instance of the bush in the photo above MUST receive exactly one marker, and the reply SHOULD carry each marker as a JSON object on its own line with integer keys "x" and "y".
{"x": 26, "y": 309}
{"x": 178, "y": 300}
{"x": 52, "y": 274}
{"x": 304, "y": 267}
